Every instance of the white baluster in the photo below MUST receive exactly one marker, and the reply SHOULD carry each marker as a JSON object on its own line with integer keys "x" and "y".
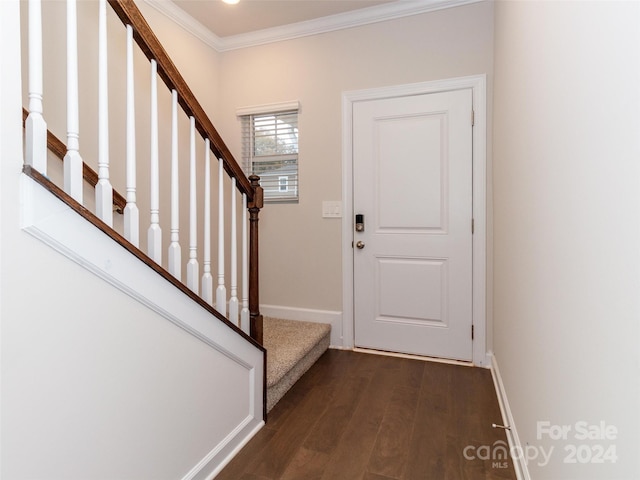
{"x": 154, "y": 236}
{"x": 35, "y": 125}
{"x": 193, "y": 271}
{"x": 233, "y": 300}
{"x": 244, "y": 313}
{"x": 175, "y": 251}
{"x": 103, "y": 190}
{"x": 72, "y": 160}
{"x": 207, "y": 278}
{"x": 131, "y": 212}
{"x": 221, "y": 291}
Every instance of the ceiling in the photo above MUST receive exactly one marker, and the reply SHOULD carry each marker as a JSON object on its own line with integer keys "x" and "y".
{"x": 251, "y": 15}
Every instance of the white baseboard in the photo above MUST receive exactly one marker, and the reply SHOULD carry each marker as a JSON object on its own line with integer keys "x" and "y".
{"x": 333, "y": 318}
{"x": 519, "y": 464}
{"x": 222, "y": 459}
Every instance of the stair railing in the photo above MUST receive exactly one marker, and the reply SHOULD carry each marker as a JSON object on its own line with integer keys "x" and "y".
{"x": 244, "y": 311}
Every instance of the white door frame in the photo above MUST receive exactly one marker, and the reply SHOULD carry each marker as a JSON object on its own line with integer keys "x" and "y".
{"x": 477, "y": 83}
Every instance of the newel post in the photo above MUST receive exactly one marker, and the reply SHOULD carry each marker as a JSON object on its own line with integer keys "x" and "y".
{"x": 254, "y": 284}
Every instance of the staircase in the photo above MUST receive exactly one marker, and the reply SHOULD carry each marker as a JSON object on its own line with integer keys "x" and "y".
{"x": 104, "y": 231}
{"x": 292, "y": 348}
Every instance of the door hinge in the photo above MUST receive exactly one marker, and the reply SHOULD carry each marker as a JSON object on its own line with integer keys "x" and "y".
{"x": 473, "y": 118}
{"x": 473, "y": 226}
{"x": 471, "y": 332}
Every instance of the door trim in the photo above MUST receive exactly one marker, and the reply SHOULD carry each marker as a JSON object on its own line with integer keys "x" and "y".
{"x": 477, "y": 83}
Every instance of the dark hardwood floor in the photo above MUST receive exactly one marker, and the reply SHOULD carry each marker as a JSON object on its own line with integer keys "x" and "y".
{"x": 357, "y": 416}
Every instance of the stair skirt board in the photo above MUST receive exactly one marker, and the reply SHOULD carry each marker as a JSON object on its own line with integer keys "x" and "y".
{"x": 292, "y": 348}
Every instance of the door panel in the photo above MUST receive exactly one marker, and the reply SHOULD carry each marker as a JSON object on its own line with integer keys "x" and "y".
{"x": 412, "y": 182}
{"x": 418, "y": 278}
{"x": 400, "y": 141}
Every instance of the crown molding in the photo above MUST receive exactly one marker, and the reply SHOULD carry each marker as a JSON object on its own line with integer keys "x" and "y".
{"x": 186, "y": 21}
{"x": 355, "y": 18}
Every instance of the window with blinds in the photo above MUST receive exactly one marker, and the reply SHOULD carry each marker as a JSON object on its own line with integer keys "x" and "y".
{"x": 270, "y": 150}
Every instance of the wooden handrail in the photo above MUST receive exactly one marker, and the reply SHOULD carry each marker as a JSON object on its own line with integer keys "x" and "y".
{"x": 129, "y": 14}
{"x": 59, "y": 149}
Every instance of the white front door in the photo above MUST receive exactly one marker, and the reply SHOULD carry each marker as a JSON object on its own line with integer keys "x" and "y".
{"x": 412, "y": 183}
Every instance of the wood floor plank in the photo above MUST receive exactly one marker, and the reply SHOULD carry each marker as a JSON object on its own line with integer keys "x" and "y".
{"x": 375, "y": 476}
{"x": 352, "y": 453}
{"x": 286, "y": 441}
{"x": 427, "y": 452}
{"x": 328, "y": 431}
{"x": 306, "y": 465}
{"x": 250, "y": 476}
{"x": 391, "y": 450}
{"x": 359, "y": 416}
{"x": 464, "y": 428}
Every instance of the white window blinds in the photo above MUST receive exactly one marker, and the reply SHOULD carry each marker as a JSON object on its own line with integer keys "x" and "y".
{"x": 270, "y": 150}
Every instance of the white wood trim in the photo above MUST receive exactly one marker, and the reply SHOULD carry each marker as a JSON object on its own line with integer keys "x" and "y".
{"x": 187, "y": 22}
{"x": 340, "y": 21}
{"x": 412, "y": 357}
{"x": 520, "y": 464}
{"x": 72, "y": 162}
{"x": 103, "y": 189}
{"x": 234, "y": 309}
{"x": 354, "y": 18}
{"x": 154, "y": 232}
{"x": 207, "y": 277}
{"x": 131, "y": 211}
{"x": 193, "y": 267}
{"x": 331, "y": 317}
{"x": 231, "y": 454}
{"x": 478, "y": 85}
{"x": 35, "y": 126}
{"x": 222, "y": 454}
{"x": 269, "y": 108}
{"x": 244, "y": 311}
{"x": 174, "y": 261}
{"x": 221, "y": 290}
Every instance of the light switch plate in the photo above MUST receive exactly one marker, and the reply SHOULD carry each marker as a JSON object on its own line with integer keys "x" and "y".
{"x": 332, "y": 209}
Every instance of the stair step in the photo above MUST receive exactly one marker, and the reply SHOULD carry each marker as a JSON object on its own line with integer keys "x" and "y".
{"x": 292, "y": 348}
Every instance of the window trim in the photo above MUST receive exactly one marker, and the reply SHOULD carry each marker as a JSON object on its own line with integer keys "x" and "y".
{"x": 267, "y": 109}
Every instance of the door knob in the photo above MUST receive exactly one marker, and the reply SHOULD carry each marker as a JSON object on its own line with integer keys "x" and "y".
{"x": 360, "y": 244}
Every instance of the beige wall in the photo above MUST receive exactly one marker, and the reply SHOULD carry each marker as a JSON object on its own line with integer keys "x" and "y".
{"x": 301, "y": 251}
{"x": 567, "y": 212}
{"x": 301, "y": 263}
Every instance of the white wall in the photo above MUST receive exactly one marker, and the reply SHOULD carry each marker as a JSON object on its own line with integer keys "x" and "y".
{"x": 567, "y": 225}
{"x": 301, "y": 263}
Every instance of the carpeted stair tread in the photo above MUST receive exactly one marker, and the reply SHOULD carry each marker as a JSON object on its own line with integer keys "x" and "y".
{"x": 292, "y": 348}
{"x": 287, "y": 342}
